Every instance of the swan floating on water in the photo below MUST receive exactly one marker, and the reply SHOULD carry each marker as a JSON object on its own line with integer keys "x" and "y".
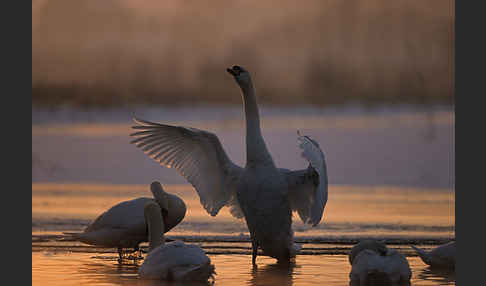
{"x": 375, "y": 264}
{"x": 175, "y": 260}
{"x": 443, "y": 256}
{"x": 123, "y": 225}
{"x": 372, "y": 244}
{"x": 260, "y": 192}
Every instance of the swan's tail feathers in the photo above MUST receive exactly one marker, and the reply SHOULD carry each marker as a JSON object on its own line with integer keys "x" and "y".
{"x": 423, "y": 255}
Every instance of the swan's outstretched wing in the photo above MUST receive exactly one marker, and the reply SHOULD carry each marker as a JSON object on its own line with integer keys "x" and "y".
{"x": 198, "y": 156}
{"x": 308, "y": 188}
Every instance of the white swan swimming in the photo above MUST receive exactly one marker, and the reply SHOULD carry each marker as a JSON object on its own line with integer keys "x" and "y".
{"x": 123, "y": 225}
{"x": 175, "y": 260}
{"x": 262, "y": 193}
{"x": 443, "y": 256}
{"x": 372, "y": 265}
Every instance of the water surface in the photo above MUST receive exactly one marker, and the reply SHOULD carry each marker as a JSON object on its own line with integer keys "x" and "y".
{"x": 391, "y": 176}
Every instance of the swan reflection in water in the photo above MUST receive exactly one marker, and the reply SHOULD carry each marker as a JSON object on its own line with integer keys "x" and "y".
{"x": 439, "y": 275}
{"x": 125, "y": 274}
{"x": 280, "y": 274}
{"x": 94, "y": 273}
{"x": 145, "y": 282}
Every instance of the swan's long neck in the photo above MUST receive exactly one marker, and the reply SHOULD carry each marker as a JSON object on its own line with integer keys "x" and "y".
{"x": 256, "y": 150}
{"x": 153, "y": 217}
{"x": 161, "y": 198}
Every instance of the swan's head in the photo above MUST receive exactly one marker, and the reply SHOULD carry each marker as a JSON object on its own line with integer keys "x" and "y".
{"x": 241, "y": 75}
{"x": 160, "y": 196}
{"x": 172, "y": 207}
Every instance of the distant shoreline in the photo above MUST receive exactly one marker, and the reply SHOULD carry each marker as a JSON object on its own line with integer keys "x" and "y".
{"x": 79, "y": 96}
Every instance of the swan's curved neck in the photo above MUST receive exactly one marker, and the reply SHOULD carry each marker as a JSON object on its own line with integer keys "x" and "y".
{"x": 155, "y": 223}
{"x": 161, "y": 198}
{"x": 256, "y": 150}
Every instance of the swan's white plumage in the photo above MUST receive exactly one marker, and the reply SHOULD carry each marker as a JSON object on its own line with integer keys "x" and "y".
{"x": 264, "y": 194}
{"x": 198, "y": 156}
{"x": 392, "y": 266}
{"x": 443, "y": 256}
{"x": 123, "y": 225}
{"x": 175, "y": 260}
{"x": 311, "y": 211}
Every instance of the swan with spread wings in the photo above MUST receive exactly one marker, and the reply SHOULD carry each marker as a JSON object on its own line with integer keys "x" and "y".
{"x": 262, "y": 193}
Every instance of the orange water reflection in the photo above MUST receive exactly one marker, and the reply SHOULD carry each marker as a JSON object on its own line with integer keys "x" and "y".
{"x": 65, "y": 268}
{"x": 346, "y": 205}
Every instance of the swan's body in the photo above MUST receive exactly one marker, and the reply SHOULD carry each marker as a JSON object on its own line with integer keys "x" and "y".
{"x": 123, "y": 225}
{"x": 262, "y": 193}
{"x": 374, "y": 264}
{"x": 267, "y": 211}
{"x": 371, "y": 268}
{"x": 443, "y": 256}
{"x": 175, "y": 260}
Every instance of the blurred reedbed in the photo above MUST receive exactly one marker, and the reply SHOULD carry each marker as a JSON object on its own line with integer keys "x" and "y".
{"x": 313, "y": 52}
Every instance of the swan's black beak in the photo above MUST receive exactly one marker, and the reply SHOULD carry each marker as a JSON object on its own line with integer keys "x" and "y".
{"x": 232, "y": 72}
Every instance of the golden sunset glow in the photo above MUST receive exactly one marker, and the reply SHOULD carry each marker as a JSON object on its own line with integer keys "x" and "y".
{"x": 341, "y": 112}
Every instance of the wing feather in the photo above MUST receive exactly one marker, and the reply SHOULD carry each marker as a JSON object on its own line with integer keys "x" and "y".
{"x": 308, "y": 188}
{"x": 198, "y": 156}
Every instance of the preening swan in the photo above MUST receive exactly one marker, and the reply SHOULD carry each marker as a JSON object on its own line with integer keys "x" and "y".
{"x": 260, "y": 192}
{"x": 372, "y": 244}
{"x": 123, "y": 225}
{"x": 443, "y": 256}
{"x": 374, "y": 264}
{"x": 174, "y": 260}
